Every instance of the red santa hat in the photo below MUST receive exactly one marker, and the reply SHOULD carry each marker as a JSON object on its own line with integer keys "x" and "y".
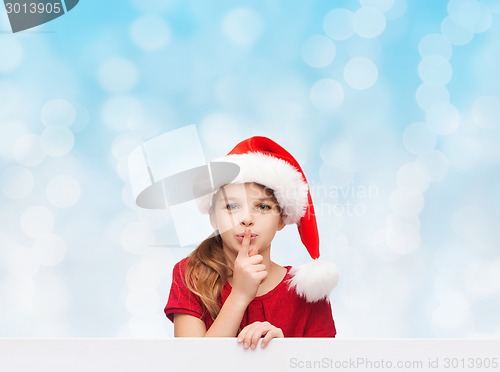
{"x": 263, "y": 161}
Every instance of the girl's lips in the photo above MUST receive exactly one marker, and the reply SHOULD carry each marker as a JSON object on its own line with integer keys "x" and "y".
{"x": 240, "y": 237}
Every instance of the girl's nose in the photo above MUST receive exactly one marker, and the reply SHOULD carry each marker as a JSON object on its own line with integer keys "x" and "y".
{"x": 246, "y": 218}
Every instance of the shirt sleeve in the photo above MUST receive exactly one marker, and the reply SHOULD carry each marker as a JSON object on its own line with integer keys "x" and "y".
{"x": 320, "y": 322}
{"x": 181, "y": 300}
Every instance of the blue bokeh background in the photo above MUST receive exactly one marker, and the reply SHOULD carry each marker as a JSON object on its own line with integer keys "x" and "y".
{"x": 391, "y": 106}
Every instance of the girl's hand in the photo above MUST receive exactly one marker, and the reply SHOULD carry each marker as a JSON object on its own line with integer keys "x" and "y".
{"x": 249, "y": 271}
{"x": 251, "y": 334}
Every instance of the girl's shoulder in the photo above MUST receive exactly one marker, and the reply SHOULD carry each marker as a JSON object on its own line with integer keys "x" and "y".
{"x": 182, "y": 263}
{"x": 180, "y": 267}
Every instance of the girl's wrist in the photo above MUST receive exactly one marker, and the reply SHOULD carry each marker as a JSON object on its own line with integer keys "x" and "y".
{"x": 238, "y": 300}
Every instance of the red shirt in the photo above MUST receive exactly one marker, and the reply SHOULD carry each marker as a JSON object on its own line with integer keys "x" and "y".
{"x": 281, "y": 307}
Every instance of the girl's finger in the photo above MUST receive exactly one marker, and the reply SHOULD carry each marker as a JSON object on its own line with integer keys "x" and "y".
{"x": 268, "y": 337}
{"x": 241, "y": 335}
{"x": 257, "y": 335}
{"x": 245, "y": 336}
{"x": 273, "y": 333}
{"x": 245, "y": 245}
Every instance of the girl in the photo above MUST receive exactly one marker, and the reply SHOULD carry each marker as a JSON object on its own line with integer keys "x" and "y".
{"x": 229, "y": 286}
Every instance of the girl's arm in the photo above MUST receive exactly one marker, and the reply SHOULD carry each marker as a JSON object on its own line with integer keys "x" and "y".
{"x": 248, "y": 273}
{"x": 225, "y": 325}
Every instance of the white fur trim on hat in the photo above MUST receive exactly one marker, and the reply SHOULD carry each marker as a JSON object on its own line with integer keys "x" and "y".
{"x": 314, "y": 281}
{"x": 285, "y": 180}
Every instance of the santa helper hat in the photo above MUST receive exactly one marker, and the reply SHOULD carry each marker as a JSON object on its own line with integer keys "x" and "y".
{"x": 263, "y": 161}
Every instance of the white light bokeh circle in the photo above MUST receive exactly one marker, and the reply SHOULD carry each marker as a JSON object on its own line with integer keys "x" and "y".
{"x": 22, "y": 263}
{"x": 242, "y": 26}
{"x": 382, "y": 5}
{"x": 338, "y": 24}
{"x": 52, "y": 298}
{"x": 482, "y": 279}
{"x": 394, "y": 286}
{"x": 435, "y": 44}
{"x": 397, "y": 10}
{"x": 413, "y": 176}
{"x": 463, "y": 152}
{"x": 335, "y": 177}
{"x": 327, "y": 94}
{"x": 436, "y": 163}
{"x": 116, "y": 111}
{"x": 470, "y": 223}
{"x": 147, "y": 326}
{"x": 58, "y": 112}
{"x": 13, "y": 56}
{"x": 380, "y": 247}
{"x": 428, "y": 95}
{"x": 63, "y": 191}
{"x": 452, "y": 313}
{"x": 150, "y": 33}
{"x": 155, "y": 218}
{"x": 139, "y": 303}
{"x": 443, "y": 118}
{"x": 118, "y": 75}
{"x": 340, "y": 154}
{"x": 57, "y": 140}
{"x": 435, "y": 70}
{"x": 37, "y": 221}
{"x": 367, "y": 48}
{"x": 360, "y": 73}
{"x": 407, "y": 201}
{"x": 161, "y": 258}
{"x": 455, "y": 33}
{"x": 12, "y": 131}
{"x": 143, "y": 277}
{"x": 454, "y": 6}
{"x": 10, "y": 96}
{"x": 50, "y": 249}
{"x": 403, "y": 239}
{"x": 213, "y": 125}
{"x": 418, "y": 138}
{"x": 17, "y": 182}
{"x": 127, "y": 194}
{"x": 137, "y": 238}
{"x": 82, "y": 118}
{"x": 318, "y": 51}
{"x": 397, "y": 218}
{"x": 147, "y": 123}
{"x": 17, "y": 294}
{"x": 28, "y": 150}
{"x": 492, "y": 5}
{"x": 472, "y": 15}
{"x": 368, "y": 22}
{"x": 123, "y": 145}
{"x": 154, "y": 6}
{"x": 486, "y": 112}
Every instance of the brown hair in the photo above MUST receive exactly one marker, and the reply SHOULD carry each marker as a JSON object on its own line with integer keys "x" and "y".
{"x": 206, "y": 273}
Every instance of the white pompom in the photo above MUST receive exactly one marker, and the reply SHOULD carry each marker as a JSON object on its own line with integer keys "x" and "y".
{"x": 314, "y": 281}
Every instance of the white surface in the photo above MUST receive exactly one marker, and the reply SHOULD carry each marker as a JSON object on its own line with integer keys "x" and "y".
{"x": 225, "y": 354}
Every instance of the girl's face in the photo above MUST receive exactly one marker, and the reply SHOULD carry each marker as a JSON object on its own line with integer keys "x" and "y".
{"x": 238, "y": 206}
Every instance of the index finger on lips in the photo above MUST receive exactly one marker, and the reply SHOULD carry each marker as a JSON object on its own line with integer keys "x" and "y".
{"x": 245, "y": 244}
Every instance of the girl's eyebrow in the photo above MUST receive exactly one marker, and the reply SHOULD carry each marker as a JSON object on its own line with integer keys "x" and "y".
{"x": 228, "y": 198}
{"x": 266, "y": 198}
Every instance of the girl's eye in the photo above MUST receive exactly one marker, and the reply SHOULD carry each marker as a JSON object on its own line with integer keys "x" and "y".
{"x": 264, "y": 207}
{"x": 231, "y": 207}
